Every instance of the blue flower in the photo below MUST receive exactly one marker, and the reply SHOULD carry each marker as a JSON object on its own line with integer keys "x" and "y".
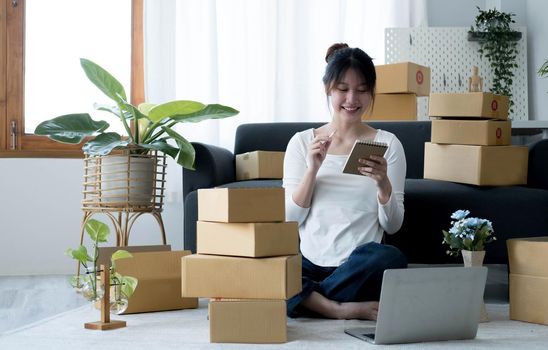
{"x": 460, "y": 214}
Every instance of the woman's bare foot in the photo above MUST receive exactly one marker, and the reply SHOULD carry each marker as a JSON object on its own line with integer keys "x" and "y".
{"x": 365, "y": 310}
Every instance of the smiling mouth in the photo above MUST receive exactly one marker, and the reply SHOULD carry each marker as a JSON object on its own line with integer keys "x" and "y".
{"x": 350, "y": 109}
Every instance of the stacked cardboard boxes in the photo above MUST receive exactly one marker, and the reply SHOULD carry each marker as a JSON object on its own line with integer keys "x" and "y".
{"x": 247, "y": 262}
{"x": 528, "y": 282}
{"x": 471, "y": 137}
{"x": 398, "y": 86}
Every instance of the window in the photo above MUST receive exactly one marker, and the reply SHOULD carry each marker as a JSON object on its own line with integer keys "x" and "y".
{"x": 40, "y": 76}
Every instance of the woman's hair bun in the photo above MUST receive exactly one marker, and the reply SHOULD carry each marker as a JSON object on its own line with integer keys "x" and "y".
{"x": 333, "y": 48}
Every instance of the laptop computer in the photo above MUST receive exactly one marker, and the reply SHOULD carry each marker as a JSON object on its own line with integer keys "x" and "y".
{"x": 427, "y": 304}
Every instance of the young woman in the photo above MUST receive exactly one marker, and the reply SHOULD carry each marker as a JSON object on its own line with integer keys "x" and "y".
{"x": 342, "y": 217}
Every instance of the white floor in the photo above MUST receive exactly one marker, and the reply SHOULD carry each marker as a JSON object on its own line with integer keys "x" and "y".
{"x": 27, "y": 299}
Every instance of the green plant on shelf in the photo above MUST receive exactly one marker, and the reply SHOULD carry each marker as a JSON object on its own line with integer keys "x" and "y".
{"x": 497, "y": 43}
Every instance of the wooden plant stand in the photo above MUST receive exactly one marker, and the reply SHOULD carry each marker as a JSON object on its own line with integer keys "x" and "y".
{"x": 106, "y": 323}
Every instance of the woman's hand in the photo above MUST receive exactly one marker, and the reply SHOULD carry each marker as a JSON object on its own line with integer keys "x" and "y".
{"x": 317, "y": 150}
{"x": 376, "y": 168}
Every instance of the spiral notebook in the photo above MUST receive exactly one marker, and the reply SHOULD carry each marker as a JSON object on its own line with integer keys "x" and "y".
{"x": 363, "y": 149}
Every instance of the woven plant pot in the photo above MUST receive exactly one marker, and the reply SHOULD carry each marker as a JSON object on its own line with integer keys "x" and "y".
{"x": 125, "y": 180}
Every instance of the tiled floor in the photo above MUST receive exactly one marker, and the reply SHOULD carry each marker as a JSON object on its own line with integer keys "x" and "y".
{"x": 27, "y": 299}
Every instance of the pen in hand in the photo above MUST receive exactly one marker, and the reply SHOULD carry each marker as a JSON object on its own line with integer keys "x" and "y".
{"x": 330, "y": 136}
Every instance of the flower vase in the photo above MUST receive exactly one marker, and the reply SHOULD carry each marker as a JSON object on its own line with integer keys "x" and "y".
{"x": 475, "y": 258}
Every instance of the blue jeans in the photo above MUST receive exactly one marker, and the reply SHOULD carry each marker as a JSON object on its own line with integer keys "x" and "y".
{"x": 357, "y": 279}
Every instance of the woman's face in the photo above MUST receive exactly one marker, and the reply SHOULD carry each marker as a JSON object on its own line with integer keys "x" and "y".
{"x": 350, "y": 97}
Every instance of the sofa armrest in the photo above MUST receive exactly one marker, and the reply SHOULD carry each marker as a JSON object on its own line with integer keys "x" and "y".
{"x": 214, "y": 166}
{"x": 537, "y": 173}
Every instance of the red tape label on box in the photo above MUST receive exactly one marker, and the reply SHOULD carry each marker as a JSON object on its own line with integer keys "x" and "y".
{"x": 494, "y": 105}
{"x": 499, "y": 133}
{"x": 419, "y": 77}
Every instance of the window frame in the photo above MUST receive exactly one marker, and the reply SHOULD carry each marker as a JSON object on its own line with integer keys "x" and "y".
{"x": 12, "y": 34}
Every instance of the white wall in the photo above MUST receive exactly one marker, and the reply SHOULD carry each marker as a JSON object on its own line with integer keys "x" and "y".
{"x": 40, "y": 215}
{"x": 40, "y": 212}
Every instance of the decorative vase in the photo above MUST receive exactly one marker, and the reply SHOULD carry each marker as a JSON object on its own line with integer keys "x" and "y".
{"x": 92, "y": 288}
{"x": 475, "y": 258}
{"x": 118, "y": 301}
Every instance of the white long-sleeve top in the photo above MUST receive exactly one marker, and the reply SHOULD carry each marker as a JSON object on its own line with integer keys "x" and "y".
{"x": 345, "y": 211}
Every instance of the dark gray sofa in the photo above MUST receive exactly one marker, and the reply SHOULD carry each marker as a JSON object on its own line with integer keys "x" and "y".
{"x": 516, "y": 211}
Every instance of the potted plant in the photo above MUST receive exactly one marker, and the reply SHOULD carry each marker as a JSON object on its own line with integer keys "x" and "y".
{"x": 498, "y": 43}
{"x": 89, "y": 284}
{"x": 129, "y": 178}
{"x": 468, "y": 236}
{"x": 152, "y": 124}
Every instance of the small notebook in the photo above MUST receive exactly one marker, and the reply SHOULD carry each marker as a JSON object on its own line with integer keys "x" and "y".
{"x": 363, "y": 149}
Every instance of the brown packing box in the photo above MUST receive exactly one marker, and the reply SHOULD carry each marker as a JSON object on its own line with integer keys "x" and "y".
{"x": 248, "y": 239}
{"x": 247, "y": 321}
{"x": 234, "y": 277}
{"x": 241, "y": 204}
{"x": 528, "y": 298}
{"x": 106, "y": 252}
{"x": 528, "y": 256}
{"x": 528, "y": 283}
{"x": 159, "y": 286}
{"x": 393, "y": 107}
{"x": 259, "y": 165}
{"x": 405, "y": 77}
{"x": 472, "y": 132}
{"x": 468, "y": 105}
{"x": 476, "y": 165}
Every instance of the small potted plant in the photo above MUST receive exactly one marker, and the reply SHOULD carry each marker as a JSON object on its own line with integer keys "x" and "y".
{"x": 498, "y": 43}
{"x": 468, "y": 236}
{"x": 89, "y": 284}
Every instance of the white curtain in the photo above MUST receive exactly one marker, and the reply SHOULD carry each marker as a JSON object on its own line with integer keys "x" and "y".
{"x": 262, "y": 57}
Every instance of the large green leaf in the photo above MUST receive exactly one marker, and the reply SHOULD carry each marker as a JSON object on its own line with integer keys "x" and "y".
{"x": 162, "y": 146}
{"x": 212, "y": 111}
{"x": 97, "y": 230}
{"x": 174, "y": 108}
{"x": 104, "y": 80}
{"x": 186, "y": 150}
{"x": 103, "y": 144}
{"x": 70, "y": 128}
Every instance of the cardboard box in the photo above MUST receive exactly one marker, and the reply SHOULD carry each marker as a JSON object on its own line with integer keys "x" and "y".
{"x": 393, "y": 107}
{"x": 248, "y": 239}
{"x": 468, "y": 105}
{"x": 528, "y": 256}
{"x": 528, "y": 298}
{"x": 472, "y": 132}
{"x": 159, "y": 286}
{"x": 476, "y": 165}
{"x": 405, "y": 77}
{"x": 247, "y": 321}
{"x": 241, "y": 204}
{"x": 246, "y": 278}
{"x": 260, "y": 165}
{"x": 528, "y": 283}
{"x": 104, "y": 253}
